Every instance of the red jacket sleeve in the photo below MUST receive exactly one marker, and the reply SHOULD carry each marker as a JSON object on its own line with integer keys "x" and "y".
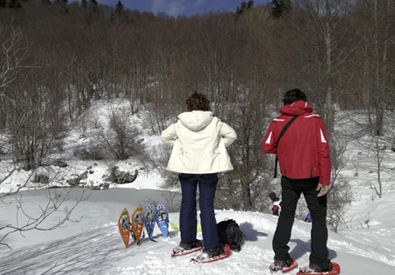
{"x": 270, "y": 140}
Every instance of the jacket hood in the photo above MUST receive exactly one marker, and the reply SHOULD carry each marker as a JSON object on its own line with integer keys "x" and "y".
{"x": 196, "y": 120}
{"x": 297, "y": 108}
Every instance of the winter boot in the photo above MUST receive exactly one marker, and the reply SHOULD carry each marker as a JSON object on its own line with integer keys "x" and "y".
{"x": 283, "y": 266}
{"x": 213, "y": 254}
{"x": 216, "y": 251}
{"x": 313, "y": 269}
{"x": 186, "y": 248}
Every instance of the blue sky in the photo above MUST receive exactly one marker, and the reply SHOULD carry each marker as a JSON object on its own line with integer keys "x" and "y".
{"x": 184, "y": 7}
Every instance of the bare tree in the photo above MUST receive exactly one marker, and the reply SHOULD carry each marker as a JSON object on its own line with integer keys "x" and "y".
{"x": 379, "y": 160}
{"x": 329, "y": 54}
{"x": 12, "y": 56}
{"x": 340, "y": 194}
{"x": 26, "y": 125}
{"x": 339, "y": 198}
{"x": 376, "y": 34}
{"x": 120, "y": 140}
{"x": 127, "y": 142}
{"x": 57, "y": 201}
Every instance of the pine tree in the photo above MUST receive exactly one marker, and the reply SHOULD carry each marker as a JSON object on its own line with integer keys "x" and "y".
{"x": 279, "y": 7}
{"x": 119, "y": 8}
{"x": 3, "y": 4}
{"x": 14, "y": 4}
{"x": 245, "y": 7}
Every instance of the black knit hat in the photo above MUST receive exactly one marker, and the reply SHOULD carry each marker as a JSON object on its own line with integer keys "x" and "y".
{"x": 273, "y": 196}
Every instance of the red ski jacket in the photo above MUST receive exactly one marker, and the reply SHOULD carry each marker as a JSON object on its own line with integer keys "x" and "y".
{"x": 303, "y": 151}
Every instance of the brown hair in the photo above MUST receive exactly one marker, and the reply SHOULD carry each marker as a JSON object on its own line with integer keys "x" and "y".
{"x": 198, "y": 101}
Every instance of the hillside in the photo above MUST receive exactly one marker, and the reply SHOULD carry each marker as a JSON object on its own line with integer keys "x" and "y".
{"x": 365, "y": 244}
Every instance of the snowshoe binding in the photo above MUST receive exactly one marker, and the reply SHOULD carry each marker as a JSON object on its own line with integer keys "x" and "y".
{"x": 214, "y": 254}
{"x": 187, "y": 248}
{"x": 283, "y": 266}
{"x": 332, "y": 269}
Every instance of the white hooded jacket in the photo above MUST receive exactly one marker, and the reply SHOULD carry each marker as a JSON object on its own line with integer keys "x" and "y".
{"x": 199, "y": 142}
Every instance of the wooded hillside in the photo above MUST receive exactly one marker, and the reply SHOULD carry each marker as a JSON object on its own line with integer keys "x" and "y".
{"x": 57, "y": 57}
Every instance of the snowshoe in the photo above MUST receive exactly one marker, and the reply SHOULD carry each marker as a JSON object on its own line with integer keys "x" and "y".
{"x": 333, "y": 269}
{"x": 212, "y": 255}
{"x": 187, "y": 248}
{"x": 283, "y": 266}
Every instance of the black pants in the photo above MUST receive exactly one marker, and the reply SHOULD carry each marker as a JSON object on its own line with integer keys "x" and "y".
{"x": 291, "y": 190}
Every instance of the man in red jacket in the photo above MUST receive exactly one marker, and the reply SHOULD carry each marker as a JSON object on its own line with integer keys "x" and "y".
{"x": 305, "y": 165}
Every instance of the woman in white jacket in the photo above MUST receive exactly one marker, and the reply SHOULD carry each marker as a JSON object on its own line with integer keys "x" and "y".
{"x": 199, "y": 141}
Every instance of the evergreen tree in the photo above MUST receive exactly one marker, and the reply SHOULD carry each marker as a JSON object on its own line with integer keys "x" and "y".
{"x": 14, "y": 4}
{"x": 93, "y": 6}
{"x": 64, "y": 2}
{"x": 119, "y": 8}
{"x": 245, "y": 6}
{"x": 279, "y": 7}
{"x": 3, "y": 4}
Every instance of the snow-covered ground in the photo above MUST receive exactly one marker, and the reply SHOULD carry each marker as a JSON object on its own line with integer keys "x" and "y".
{"x": 93, "y": 244}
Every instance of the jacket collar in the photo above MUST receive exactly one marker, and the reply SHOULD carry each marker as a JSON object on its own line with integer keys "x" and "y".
{"x": 296, "y": 109}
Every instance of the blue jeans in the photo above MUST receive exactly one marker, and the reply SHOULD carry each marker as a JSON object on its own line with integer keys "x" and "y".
{"x": 188, "y": 219}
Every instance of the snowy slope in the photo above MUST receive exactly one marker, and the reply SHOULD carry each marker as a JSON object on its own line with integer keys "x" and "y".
{"x": 94, "y": 246}
{"x": 101, "y": 251}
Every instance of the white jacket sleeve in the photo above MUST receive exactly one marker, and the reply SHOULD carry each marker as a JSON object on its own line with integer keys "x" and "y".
{"x": 228, "y": 134}
{"x": 169, "y": 135}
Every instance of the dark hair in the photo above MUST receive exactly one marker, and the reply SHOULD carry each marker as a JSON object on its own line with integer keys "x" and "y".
{"x": 198, "y": 101}
{"x": 294, "y": 95}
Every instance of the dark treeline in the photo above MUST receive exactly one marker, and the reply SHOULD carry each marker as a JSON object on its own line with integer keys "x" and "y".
{"x": 58, "y": 57}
